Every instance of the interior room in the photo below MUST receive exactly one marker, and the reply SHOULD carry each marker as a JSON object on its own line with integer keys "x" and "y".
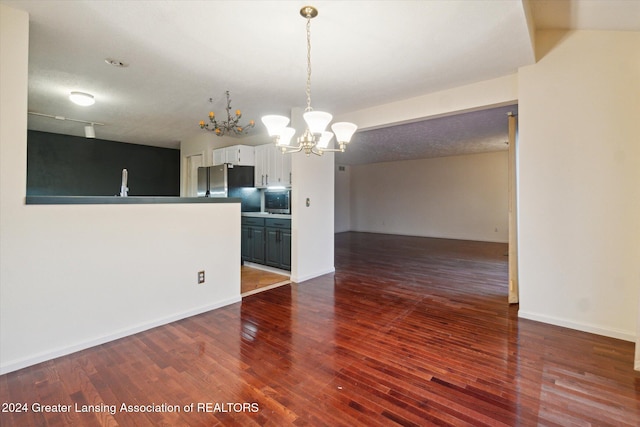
{"x": 283, "y": 213}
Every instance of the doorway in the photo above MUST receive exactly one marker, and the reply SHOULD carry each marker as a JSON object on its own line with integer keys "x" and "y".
{"x": 192, "y": 163}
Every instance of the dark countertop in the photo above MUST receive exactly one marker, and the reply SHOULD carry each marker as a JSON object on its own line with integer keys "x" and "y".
{"x": 116, "y": 200}
{"x": 266, "y": 215}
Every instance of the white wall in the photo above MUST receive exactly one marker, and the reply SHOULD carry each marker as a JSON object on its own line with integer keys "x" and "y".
{"x": 579, "y": 172}
{"x": 312, "y": 227}
{"x": 495, "y": 92}
{"x": 459, "y": 197}
{"x": 76, "y": 276}
{"x": 342, "y": 217}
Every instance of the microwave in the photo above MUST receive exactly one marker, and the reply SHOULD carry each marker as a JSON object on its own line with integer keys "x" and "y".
{"x": 277, "y": 201}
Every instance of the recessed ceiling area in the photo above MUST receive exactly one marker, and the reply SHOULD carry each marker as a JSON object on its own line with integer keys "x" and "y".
{"x": 466, "y": 133}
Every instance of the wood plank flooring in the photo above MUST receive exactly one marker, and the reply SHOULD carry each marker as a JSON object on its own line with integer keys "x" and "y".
{"x": 408, "y": 331}
{"x": 254, "y": 280}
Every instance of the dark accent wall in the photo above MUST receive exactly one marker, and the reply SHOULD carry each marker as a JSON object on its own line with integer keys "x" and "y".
{"x": 63, "y": 165}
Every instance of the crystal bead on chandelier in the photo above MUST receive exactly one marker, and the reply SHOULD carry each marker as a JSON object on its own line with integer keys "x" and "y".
{"x": 314, "y": 139}
{"x": 231, "y": 125}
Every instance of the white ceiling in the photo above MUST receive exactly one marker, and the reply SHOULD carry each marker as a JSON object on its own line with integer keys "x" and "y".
{"x": 181, "y": 53}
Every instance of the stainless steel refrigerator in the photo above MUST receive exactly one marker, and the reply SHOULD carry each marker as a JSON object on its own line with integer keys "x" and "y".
{"x": 216, "y": 181}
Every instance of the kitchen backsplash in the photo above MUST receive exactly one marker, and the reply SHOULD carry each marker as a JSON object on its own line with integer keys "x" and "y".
{"x": 251, "y": 198}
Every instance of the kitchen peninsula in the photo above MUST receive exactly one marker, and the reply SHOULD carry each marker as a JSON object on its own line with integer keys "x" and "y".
{"x": 89, "y": 270}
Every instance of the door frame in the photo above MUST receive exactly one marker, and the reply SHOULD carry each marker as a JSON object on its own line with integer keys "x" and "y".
{"x": 187, "y": 166}
{"x": 514, "y": 291}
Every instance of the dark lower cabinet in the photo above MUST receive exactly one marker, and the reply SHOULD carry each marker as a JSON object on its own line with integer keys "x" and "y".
{"x": 267, "y": 241}
{"x": 278, "y": 240}
{"x": 278, "y": 247}
{"x": 285, "y": 246}
{"x": 252, "y": 240}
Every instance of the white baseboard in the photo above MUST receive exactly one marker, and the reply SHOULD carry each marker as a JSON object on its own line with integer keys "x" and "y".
{"x": 63, "y": 351}
{"x": 299, "y": 279}
{"x": 267, "y": 268}
{"x": 593, "y": 329}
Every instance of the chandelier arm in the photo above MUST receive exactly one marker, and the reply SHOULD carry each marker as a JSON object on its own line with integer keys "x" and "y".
{"x": 331, "y": 150}
{"x": 291, "y": 150}
{"x": 316, "y": 152}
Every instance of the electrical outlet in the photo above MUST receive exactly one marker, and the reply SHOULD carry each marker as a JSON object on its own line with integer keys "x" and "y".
{"x": 200, "y": 277}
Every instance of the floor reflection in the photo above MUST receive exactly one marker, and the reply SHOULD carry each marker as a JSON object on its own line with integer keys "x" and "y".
{"x": 408, "y": 331}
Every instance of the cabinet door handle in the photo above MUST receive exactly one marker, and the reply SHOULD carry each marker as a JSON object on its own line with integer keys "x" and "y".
{"x": 267, "y": 179}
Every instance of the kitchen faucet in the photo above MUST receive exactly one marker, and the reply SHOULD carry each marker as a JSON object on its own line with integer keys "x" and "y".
{"x": 124, "y": 190}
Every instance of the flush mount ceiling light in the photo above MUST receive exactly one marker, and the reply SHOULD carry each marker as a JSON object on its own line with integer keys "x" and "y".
{"x": 231, "y": 125}
{"x": 314, "y": 139}
{"x": 82, "y": 98}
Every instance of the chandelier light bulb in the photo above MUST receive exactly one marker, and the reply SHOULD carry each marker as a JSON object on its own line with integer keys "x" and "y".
{"x": 344, "y": 131}
{"x": 325, "y": 139}
{"x": 317, "y": 121}
{"x": 284, "y": 138}
{"x": 275, "y": 124}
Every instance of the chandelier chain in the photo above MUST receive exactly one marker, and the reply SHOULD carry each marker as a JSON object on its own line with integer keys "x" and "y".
{"x": 314, "y": 140}
{"x": 308, "y": 63}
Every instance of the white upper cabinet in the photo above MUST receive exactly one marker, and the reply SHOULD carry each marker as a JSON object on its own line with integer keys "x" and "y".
{"x": 240, "y": 155}
{"x": 261, "y": 152}
{"x": 219, "y": 156}
{"x": 237, "y": 155}
{"x": 272, "y": 167}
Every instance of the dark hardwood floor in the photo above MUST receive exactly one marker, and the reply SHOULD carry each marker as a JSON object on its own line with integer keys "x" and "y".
{"x": 409, "y": 331}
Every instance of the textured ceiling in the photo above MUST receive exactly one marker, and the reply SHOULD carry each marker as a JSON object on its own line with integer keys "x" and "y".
{"x": 181, "y": 53}
{"x": 468, "y": 133}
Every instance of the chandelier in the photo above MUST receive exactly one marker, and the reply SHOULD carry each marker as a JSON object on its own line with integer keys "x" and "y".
{"x": 231, "y": 125}
{"x": 314, "y": 139}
